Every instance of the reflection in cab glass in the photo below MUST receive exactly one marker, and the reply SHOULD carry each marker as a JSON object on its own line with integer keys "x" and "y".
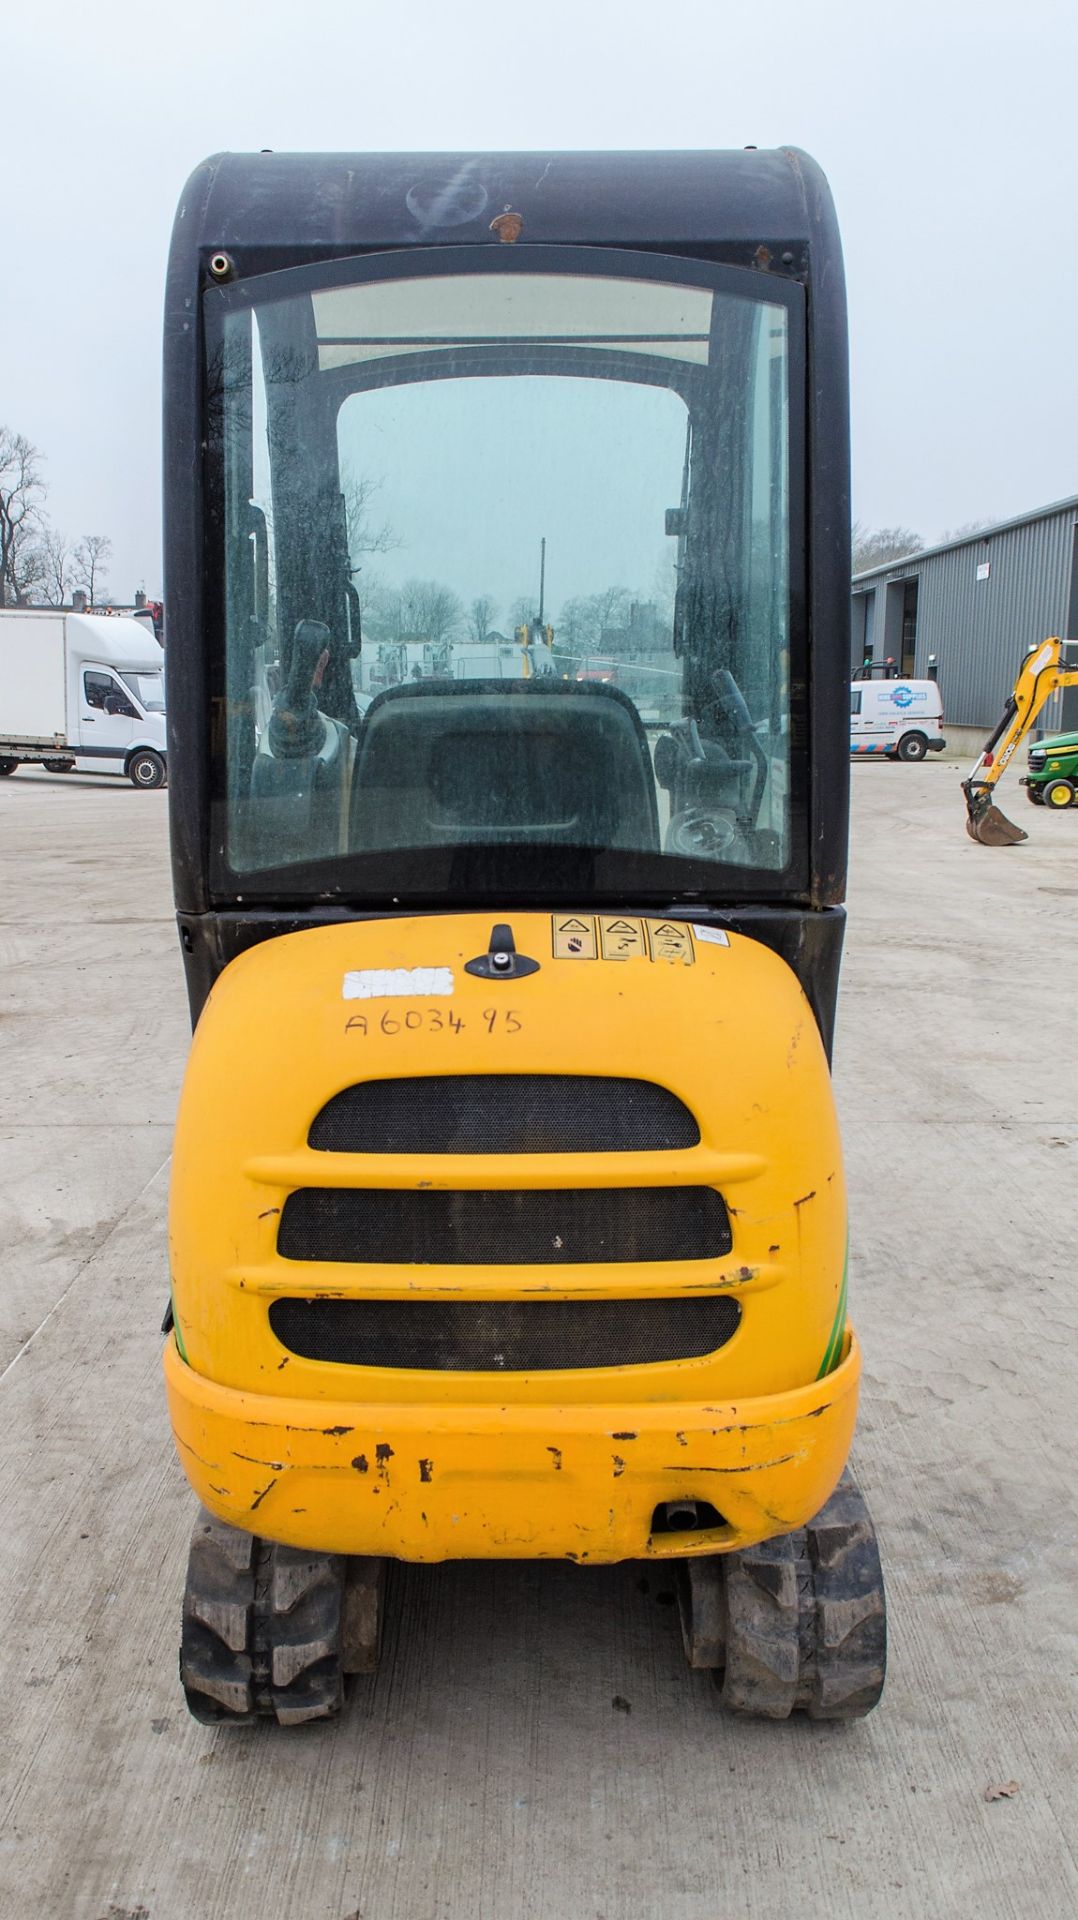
{"x": 507, "y": 566}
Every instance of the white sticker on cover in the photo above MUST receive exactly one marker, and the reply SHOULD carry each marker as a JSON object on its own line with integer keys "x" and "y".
{"x": 714, "y": 936}
{"x": 398, "y": 983}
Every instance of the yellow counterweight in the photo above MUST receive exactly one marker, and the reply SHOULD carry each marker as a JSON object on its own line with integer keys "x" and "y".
{"x": 472, "y": 1341}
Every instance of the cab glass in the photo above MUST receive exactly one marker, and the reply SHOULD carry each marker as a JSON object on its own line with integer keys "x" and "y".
{"x": 509, "y": 563}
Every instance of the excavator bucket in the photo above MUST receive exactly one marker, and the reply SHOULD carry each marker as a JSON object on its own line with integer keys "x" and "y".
{"x": 986, "y": 824}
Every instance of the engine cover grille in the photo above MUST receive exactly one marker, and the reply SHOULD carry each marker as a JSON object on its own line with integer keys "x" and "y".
{"x": 504, "y": 1113}
{"x": 532, "y": 1227}
{"x": 503, "y": 1336}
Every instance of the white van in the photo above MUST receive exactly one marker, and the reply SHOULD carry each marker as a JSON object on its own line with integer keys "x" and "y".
{"x": 78, "y": 689}
{"x": 900, "y": 718}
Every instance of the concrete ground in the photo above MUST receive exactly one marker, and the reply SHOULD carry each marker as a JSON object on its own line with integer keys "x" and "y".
{"x": 489, "y": 1770}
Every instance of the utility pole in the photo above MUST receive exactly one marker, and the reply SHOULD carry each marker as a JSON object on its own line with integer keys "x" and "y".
{"x": 542, "y": 575}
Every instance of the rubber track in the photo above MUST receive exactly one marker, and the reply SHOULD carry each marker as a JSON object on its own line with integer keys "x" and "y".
{"x": 806, "y": 1620}
{"x": 261, "y": 1629}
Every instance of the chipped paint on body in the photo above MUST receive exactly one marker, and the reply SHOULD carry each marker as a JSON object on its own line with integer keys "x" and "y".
{"x": 492, "y": 1483}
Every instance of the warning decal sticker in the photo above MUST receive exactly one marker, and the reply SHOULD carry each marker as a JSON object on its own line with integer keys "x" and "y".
{"x": 574, "y": 936}
{"x": 668, "y": 940}
{"x": 622, "y": 939}
{"x": 587, "y": 936}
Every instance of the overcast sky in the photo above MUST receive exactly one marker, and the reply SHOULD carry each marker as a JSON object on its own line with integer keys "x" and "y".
{"x": 468, "y": 507}
{"x": 946, "y": 129}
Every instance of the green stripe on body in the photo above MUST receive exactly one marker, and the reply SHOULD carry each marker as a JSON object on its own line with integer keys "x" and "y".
{"x": 838, "y": 1327}
{"x": 180, "y": 1348}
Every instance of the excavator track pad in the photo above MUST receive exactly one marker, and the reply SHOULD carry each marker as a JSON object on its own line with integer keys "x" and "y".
{"x": 797, "y": 1622}
{"x": 270, "y": 1631}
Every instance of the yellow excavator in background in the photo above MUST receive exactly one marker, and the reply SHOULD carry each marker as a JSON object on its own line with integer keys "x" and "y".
{"x": 1044, "y": 670}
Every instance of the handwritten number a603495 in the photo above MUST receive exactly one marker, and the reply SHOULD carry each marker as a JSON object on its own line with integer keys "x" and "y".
{"x": 429, "y": 1020}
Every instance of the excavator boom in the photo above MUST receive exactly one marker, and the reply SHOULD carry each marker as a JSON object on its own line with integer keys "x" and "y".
{"x": 1041, "y": 674}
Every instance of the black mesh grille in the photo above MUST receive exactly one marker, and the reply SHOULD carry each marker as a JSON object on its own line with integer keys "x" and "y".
{"x": 503, "y": 1336}
{"x": 504, "y": 1113}
{"x": 533, "y": 1227}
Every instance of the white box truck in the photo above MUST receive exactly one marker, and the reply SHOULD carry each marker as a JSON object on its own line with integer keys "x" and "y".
{"x": 78, "y": 689}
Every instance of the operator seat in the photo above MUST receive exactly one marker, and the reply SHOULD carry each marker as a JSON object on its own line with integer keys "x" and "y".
{"x": 497, "y": 762}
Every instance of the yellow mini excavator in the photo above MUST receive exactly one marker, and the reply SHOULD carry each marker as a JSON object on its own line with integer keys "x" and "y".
{"x": 1045, "y": 669}
{"x": 507, "y": 1213}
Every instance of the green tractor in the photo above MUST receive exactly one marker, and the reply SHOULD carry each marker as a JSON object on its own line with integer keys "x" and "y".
{"x": 1052, "y": 780}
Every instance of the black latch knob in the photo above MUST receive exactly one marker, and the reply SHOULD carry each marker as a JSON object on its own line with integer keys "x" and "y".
{"x": 501, "y": 960}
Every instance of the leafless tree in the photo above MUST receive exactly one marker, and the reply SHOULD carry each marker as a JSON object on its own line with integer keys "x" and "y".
{"x": 56, "y": 558}
{"x": 27, "y": 573}
{"x": 573, "y": 625}
{"x": 364, "y": 534}
{"x": 428, "y": 611}
{"x": 91, "y": 559}
{"x": 21, "y": 493}
{"x": 583, "y": 620}
{"x": 612, "y": 608}
{"x": 966, "y": 531}
{"x": 874, "y": 547}
{"x": 481, "y": 616}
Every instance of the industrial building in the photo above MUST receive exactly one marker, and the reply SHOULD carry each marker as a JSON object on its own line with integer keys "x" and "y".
{"x": 967, "y": 612}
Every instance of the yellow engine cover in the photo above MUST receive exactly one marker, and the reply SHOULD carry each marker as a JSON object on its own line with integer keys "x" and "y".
{"x": 568, "y": 1460}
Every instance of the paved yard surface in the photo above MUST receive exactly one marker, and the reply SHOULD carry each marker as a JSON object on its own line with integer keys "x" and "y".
{"x": 486, "y": 1775}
